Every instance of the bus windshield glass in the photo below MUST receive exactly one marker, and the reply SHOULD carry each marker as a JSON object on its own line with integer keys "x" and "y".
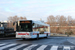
{"x": 25, "y": 26}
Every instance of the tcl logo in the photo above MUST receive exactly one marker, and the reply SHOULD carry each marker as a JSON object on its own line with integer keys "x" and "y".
{"x": 23, "y": 33}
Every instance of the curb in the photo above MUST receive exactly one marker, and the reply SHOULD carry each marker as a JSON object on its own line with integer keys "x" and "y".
{"x": 7, "y": 38}
{"x": 64, "y": 35}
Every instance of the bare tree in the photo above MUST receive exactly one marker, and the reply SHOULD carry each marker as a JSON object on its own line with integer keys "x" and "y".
{"x": 10, "y": 25}
{"x": 57, "y": 19}
{"x": 69, "y": 20}
{"x": 23, "y": 18}
{"x": 14, "y": 18}
{"x": 51, "y": 19}
{"x": 62, "y": 20}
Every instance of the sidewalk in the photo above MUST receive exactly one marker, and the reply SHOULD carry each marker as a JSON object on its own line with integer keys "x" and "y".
{"x": 54, "y": 34}
{"x": 61, "y": 35}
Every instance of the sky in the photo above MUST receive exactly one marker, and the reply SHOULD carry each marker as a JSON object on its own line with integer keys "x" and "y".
{"x": 36, "y": 9}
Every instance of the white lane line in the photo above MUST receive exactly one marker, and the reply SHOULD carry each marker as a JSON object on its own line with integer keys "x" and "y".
{"x": 54, "y": 48}
{"x": 1, "y": 48}
{"x": 66, "y": 48}
{"x": 15, "y": 48}
{"x": 42, "y": 47}
{"x": 2, "y": 44}
{"x": 30, "y": 47}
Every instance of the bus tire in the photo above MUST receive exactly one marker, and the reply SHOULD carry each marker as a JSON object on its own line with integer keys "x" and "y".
{"x": 47, "y": 35}
{"x": 23, "y": 38}
{"x": 37, "y": 36}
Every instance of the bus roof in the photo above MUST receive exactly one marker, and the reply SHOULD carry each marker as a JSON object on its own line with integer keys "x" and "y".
{"x": 40, "y": 23}
{"x": 36, "y": 22}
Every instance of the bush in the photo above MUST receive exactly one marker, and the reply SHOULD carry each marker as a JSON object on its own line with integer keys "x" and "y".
{"x": 66, "y": 33}
{"x": 69, "y": 33}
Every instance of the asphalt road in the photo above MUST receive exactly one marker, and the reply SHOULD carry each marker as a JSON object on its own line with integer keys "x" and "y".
{"x": 45, "y": 42}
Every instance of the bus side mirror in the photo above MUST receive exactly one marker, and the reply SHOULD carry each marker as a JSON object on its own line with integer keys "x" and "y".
{"x": 14, "y": 23}
{"x": 33, "y": 24}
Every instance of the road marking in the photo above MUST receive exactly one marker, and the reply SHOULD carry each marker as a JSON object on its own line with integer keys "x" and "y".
{"x": 24, "y": 47}
{"x": 1, "y": 48}
{"x": 30, "y": 47}
{"x": 36, "y": 47}
{"x": 15, "y": 48}
{"x": 11, "y": 47}
{"x": 54, "y": 48}
{"x": 66, "y": 48}
{"x": 60, "y": 47}
{"x": 2, "y": 44}
{"x": 48, "y": 47}
{"x": 42, "y": 47}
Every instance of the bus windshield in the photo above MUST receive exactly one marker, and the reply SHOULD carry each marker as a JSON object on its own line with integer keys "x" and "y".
{"x": 25, "y": 27}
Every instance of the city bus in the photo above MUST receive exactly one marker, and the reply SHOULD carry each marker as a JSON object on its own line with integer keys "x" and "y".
{"x": 31, "y": 29}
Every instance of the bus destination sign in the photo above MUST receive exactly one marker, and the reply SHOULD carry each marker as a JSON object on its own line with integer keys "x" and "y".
{"x": 25, "y": 22}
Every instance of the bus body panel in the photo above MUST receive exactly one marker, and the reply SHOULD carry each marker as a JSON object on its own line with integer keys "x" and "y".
{"x": 30, "y": 34}
{"x": 22, "y": 29}
{"x": 23, "y": 35}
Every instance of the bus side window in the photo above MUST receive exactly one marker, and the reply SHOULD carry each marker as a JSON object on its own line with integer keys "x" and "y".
{"x": 41, "y": 29}
{"x": 44, "y": 28}
{"x": 35, "y": 27}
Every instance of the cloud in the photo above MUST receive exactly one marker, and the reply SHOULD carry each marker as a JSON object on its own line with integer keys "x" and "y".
{"x": 68, "y": 11}
{"x": 34, "y": 9}
{"x": 36, "y": 2}
{"x": 7, "y": 2}
{"x": 2, "y": 17}
{"x": 5, "y": 14}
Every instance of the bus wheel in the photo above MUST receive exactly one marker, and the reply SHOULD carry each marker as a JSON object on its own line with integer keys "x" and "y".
{"x": 47, "y": 35}
{"x": 37, "y": 36}
{"x": 23, "y": 38}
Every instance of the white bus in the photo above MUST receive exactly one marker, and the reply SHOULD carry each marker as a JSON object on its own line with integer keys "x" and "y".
{"x": 31, "y": 29}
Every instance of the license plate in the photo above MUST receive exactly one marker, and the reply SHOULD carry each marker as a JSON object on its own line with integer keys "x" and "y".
{"x": 22, "y": 36}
